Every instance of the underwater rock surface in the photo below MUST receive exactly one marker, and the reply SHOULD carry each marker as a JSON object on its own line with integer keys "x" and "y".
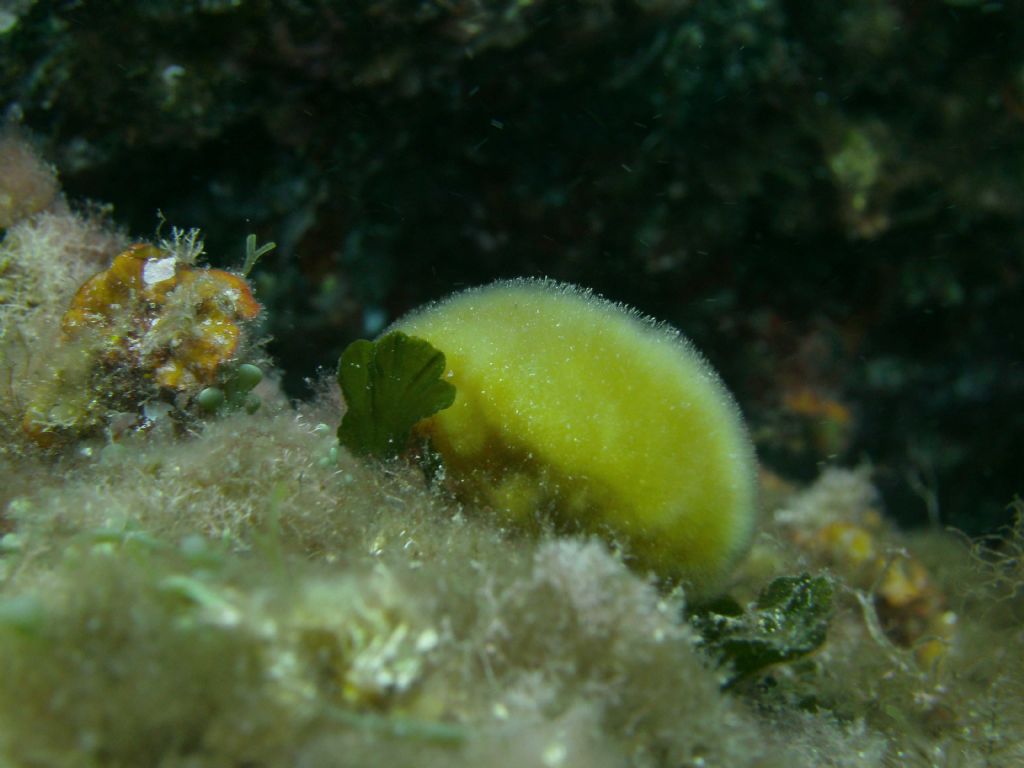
{"x": 194, "y": 573}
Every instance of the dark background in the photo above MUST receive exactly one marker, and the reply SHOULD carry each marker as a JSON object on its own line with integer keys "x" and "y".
{"x": 827, "y": 198}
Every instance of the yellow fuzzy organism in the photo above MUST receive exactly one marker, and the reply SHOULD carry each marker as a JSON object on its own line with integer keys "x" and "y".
{"x": 574, "y": 409}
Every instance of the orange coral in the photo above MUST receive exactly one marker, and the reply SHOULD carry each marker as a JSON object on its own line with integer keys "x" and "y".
{"x": 147, "y": 324}
{"x": 136, "y": 300}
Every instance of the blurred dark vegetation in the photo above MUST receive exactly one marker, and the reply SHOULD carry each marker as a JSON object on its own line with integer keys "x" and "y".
{"x": 828, "y": 198}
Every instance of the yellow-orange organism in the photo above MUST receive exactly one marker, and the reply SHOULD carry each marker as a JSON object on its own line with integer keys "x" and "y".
{"x": 574, "y": 409}
{"x": 149, "y": 323}
{"x": 178, "y": 323}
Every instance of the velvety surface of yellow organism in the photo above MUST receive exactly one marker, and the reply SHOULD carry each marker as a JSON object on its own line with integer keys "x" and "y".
{"x": 574, "y": 409}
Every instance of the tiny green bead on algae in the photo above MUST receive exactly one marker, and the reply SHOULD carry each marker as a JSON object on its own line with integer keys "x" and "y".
{"x": 210, "y": 399}
{"x": 574, "y": 408}
{"x": 246, "y": 377}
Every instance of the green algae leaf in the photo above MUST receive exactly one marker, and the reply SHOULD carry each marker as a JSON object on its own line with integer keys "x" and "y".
{"x": 400, "y": 727}
{"x": 789, "y": 620}
{"x": 389, "y": 385}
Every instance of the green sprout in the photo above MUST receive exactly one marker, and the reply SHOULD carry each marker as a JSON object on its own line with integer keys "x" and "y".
{"x": 789, "y": 620}
{"x": 389, "y": 385}
{"x": 253, "y": 254}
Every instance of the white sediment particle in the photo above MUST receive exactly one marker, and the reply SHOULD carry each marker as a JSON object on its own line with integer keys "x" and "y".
{"x": 158, "y": 270}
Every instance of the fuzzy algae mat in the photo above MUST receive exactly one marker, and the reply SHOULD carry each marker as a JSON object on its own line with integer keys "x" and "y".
{"x": 234, "y": 600}
{"x": 237, "y": 598}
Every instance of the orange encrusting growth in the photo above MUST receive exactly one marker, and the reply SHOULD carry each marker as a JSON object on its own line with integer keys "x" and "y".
{"x": 150, "y": 327}
{"x": 129, "y": 298}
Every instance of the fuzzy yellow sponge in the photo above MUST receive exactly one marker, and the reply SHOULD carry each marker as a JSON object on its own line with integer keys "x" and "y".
{"x": 575, "y": 409}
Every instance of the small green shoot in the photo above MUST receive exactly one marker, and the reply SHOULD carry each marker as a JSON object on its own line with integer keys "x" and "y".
{"x": 398, "y": 727}
{"x": 389, "y": 385}
{"x": 789, "y": 620}
{"x": 254, "y": 254}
